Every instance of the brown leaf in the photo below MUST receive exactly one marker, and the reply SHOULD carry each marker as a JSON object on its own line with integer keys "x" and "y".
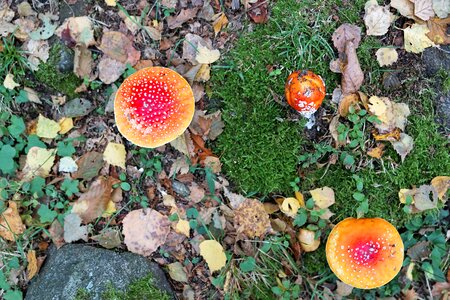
{"x": 391, "y": 136}
{"x": 441, "y": 184}
{"x": 419, "y": 251}
{"x": 93, "y": 203}
{"x": 82, "y": 62}
{"x": 10, "y": 222}
{"x": 251, "y": 219}
{"x": 346, "y": 33}
{"x": 349, "y": 100}
{"x": 108, "y": 238}
{"x": 422, "y": 199}
{"x": 403, "y": 146}
{"x": 56, "y": 231}
{"x": 213, "y": 163}
{"x": 118, "y": 46}
{"x": 259, "y": 12}
{"x": 220, "y": 20}
{"x": 80, "y": 29}
{"x": 376, "y": 152}
{"x": 440, "y": 289}
{"x": 109, "y": 70}
{"x": 352, "y": 75}
{"x": 438, "y": 30}
{"x": 334, "y": 133}
{"x": 145, "y": 230}
{"x": 410, "y": 295}
{"x": 32, "y": 267}
{"x": 89, "y": 165}
{"x": 184, "y": 16}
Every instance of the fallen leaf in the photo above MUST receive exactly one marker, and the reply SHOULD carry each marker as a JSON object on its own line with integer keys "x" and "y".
{"x": 235, "y": 199}
{"x": 190, "y": 45}
{"x": 323, "y": 197}
{"x": 441, "y": 8}
{"x": 32, "y": 95}
{"x": 108, "y": 238}
{"x": 391, "y": 136}
{"x": 219, "y": 22}
{"x": 110, "y": 2}
{"x": 179, "y": 166}
{"x": 39, "y": 161}
{"x": 343, "y": 289}
{"x": 206, "y": 56}
{"x": 10, "y": 222}
{"x": 419, "y": 251}
{"x": 416, "y": 39}
{"x": 438, "y": 30}
{"x": 213, "y": 254}
{"x": 346, "y": 33}
{"x": 73, "y": 231}
{"x": 115, "y": 154}
{"x": 79, "y": 29}
{"x": 46, "y": 30}
{"x": 259, "y": 11}
{"x": 404, "y": 7}
{"x": 404, "y": 193}
{"x": 290, "y": 207}
{"x": 32, "y": 266}
{"x": 145, "y": 230}
{"x": 184, "y": 144}
{"x": 65, "y": 124}
{"x": 94, "y": 202}
{"x": 38, "y": 51}
{"x": 47, "y": 128}
{"x": 377, "y": 18}
{"x": 177, "y": 272}
{"x": 184, "y": 16}
{"x": 82, "y": 62}
{"x": 422, "y": 199}
{"x": 352, "y": 75}
{"x": 307, "y": 241}
{"x": 410, "y": 294}
{"x": 386, "y": 56}
{"x": 376, "y": 152}
{"x": 404, "y": 145}
{"x": 89, "y": 165}
{"x": 203, "y": 74}
{"x": 109, "y": 69}
{"x": 67, "y": 164}
{"x": 441, "y": 184}
{"x": 440, "y": 289}
{"x": 391, "y": 114}
{"x": 56, "y": 232}
{"x": 197, "y": 193}
{"x": 423, "y": 9}
{"x": 183, "y": 227}
{"x": 24, "y": 9}
{"x": 251, "y": 219}
{"x": 78, "y": 107}
{"x": 118, "y": 46}
{"x": 9, "y": 82}
{"x": 213, "y": 163}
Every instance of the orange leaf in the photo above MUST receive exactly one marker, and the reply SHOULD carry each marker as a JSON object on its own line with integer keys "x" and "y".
{"x": 10, "y": 222}
{"x": 32, "y": 267}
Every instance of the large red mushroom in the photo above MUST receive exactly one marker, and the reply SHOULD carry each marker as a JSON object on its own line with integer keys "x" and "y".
{"x": 365, "y": 253}
{"x": 153, "y": 107}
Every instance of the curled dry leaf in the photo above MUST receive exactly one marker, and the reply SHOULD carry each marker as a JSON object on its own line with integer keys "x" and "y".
{"x": 386, "y": 56}
{"x": 416, "y": 39}
{"x": 10, "y": 222}
{"x": 352, "y": 75}
{"x": 441, "y": 184}
{"x": 290, "y": 207}
{"x": 251, "y": 219}
{"x": 184, "y": 16}
{"x": 323, "y": 197}
{"x": 391, "y": 114}
{"x": 145, "y": 230}
{"x": 346, "y": 33}
{"x": 307, "y": 241}
{"x": 213, "y": 254}
{"x": 377, "y": 18}
{"x": 353, "y": 99}
{"x": 404, "y": 145}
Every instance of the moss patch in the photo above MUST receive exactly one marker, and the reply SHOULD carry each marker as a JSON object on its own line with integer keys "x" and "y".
{"x": 48, "y": 74}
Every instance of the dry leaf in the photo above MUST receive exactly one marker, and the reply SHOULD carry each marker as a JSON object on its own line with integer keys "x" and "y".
{"x": 108, "y": 238}
{"x": 391, "y": 114}
{"x": 343, "y": 289}
{"x": 206, "y": 56}
{"x": 184, "y": 144}
{"x": 307, "y": 241}
{"x": 82, "y": 62}
{"x": 213, "y": 163}
{"x": 32, "y": 95}
{"x": 441, "y": 184}
{"x": 404, "y": 7}
{"x": 377, "y": 18}
{"x": 65, "y": 124}
{"x": 404, "y": 193}
{"x": 56, "y": 231}
{"x": 80, "y": 30}
{"x": 251, "y": 219}
{"x": 180, "y": 165}
{"x": 386, "y": 56}
{"x": 391, "y": 136}
{"x": 38, "y": 163}
{"x": 440, "y": 289}
{"x": 203, "y": 74}
{"x": 323, "y": 197}
{"x": 422, "y": 199}
{"x": 441, "y": 8}
{"x": 94, "y": 202}
{"x": 9, "y": 82}
{"x": 119, "y": 47}
{"x": 352, "y": 75}
{"x": 416, "y": 39}
{"x": 183, "y": 227}
{"x": 220, "y": 20}
{"x": 376, "y": 152}
{"x": 184, "y": 16}
{"x": 438, "y": 30}
{"x": 423, "y": 9}
{"x": 235, "y": 199}
{"x": 89, "y": 165}
{"x": 145, "y": 230}
{"x": 73, "y": 231}
{"x": 115, "y": 154}
{"x": 10, "y": 222}
{"x": 259, "y": 12}
{"x": 177, "y": 272}
{"x": 404, "y": 145}
{"x": 111, "y": 2}
{"x": 290, "y": 207}
{"x": 213, "y": 254}
{"x": 47, "y": 128}
{"x": 67, "y": 164}
{"x": 346, "y": 33}
{"x": 109, "y": 69}
{"x": 32, "y": 266}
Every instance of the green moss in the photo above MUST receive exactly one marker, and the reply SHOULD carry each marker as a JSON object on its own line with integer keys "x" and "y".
{"x": 48, "y": 74}
{"x": 142, "y": 289}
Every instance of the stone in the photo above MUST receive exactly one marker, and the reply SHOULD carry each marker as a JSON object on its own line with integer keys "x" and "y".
{"x": 75, "y": 266}
{"x": 436, "y": 59}
{"x": 64, "y": 60}
{"x": 180, "y": 188}
{"x": 78, "y": 107}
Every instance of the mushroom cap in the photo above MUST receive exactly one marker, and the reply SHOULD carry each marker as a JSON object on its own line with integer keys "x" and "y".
{"x": 153, "y": 106}
{"x": 304, "y": 91}
{"x": 365, "y": 253}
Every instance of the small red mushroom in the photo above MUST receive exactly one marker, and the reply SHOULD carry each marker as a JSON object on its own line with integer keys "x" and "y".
{"x": 153, "y": 107}
{"x": 304, "y": 92}
{"x": 365, "y": 253}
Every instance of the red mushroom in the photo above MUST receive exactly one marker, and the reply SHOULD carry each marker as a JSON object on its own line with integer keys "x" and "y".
{"x": 365, "y": 253}
{"x": 153, "y": 107}
{"x": 304, "y": 92}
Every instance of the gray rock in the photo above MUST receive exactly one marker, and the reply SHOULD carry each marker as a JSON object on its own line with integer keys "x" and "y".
{"x": 436, "y": 59}
{"x": 180, "y": 188}
{"x": 78, "y": 9}
{"x": 77, "y": 107}
{"x": 75, "y": 267}
{"x": 64, "y": 60}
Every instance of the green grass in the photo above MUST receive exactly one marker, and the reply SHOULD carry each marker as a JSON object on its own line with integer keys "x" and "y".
{"x": 12, "y": 60}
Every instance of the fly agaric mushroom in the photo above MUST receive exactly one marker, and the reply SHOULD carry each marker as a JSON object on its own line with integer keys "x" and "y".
{"x": 365, "y": 253}
{"x": 304, "y": 92}
{"x": 153, "y": 107}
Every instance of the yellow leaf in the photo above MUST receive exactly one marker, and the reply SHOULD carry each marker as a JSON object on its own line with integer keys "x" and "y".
{"x": 183, "y": 227}
{"x": 376, "y": 152}
{"x": 416, "y": 39}
{"x": 220, "y": 20}
{"x": 403, "y": 193}
{"x": 386, "y": 56}
{"x": 47, "y": 128}
{"x": 10, "y": 222}
{"x": 290, "y": 207}
{"x": 307, "y": 241}
{"x": 323, "y": 197}
{"x": 213, "y": 254}
{"x": 110, "y": 209}
{"x": 9, "y": 82}
{"x": 207, "y": 56}
{"x": 66, "y": 124}
{"x": 300, "y": 198}
{"x": 110, "y": 2}
{"x": 38, "y": 163}
{"x": 32, "y": 266}
{"x": 441, "y": 184}
{"x": 204, "y": 74}
{"x": 115, "y": 154}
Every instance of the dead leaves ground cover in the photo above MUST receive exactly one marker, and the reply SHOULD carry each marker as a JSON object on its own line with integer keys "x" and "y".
{"x": 70, "y": 177}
